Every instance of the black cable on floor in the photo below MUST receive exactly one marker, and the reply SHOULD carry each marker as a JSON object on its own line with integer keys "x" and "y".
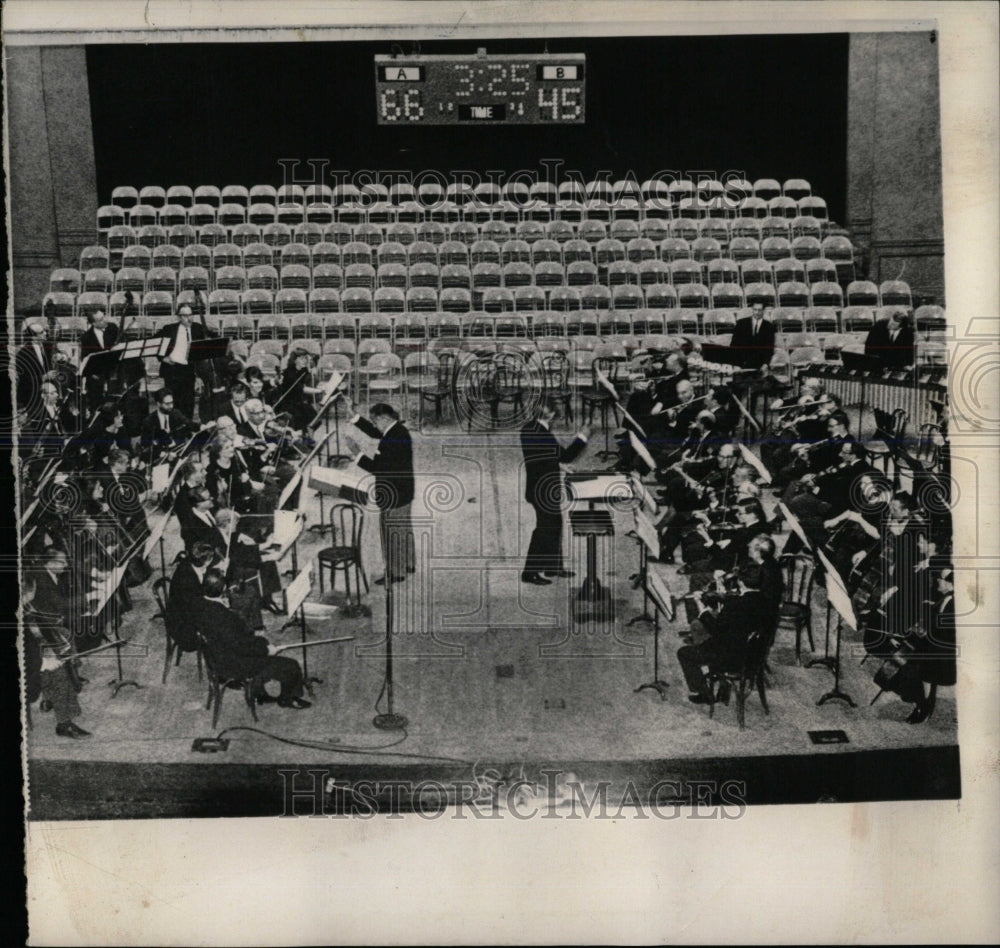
{"x": 378, "y": 751}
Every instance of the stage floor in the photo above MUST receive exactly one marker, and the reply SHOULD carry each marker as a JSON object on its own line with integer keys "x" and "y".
{"x": 487, "y": 669}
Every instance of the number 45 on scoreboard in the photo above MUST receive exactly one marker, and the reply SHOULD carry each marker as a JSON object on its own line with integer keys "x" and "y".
{"x": 540, "y": 89}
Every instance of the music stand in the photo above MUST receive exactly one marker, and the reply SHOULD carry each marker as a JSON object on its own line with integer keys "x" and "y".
{"x": 295, "y": 594}
{"x": 111, "y": 585}
{"x": 837, "y": 596}
{"x": 656, "y": 588}
{"x": 649, "y": 544}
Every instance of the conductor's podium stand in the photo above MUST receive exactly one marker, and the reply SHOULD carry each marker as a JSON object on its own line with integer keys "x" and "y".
{"x": 593, "y": 603}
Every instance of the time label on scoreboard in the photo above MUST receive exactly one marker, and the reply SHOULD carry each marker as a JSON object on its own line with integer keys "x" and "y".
{"x": 543, "y": 89}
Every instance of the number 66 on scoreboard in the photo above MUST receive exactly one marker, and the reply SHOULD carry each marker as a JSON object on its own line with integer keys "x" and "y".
{"x": 543, "y": 89}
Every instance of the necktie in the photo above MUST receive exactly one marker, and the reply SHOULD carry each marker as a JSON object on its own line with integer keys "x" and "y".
{"x": 166, "y": 424}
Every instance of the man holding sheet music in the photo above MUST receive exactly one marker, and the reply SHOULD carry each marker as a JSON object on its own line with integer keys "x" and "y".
{"x": 393, "y": 491}
{"x": 543, "y": 489}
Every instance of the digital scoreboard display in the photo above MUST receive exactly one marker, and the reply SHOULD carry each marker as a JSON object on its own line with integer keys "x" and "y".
{"x": 544, "y": 89}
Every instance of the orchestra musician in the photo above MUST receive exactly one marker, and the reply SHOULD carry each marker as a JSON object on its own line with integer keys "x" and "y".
{"x": 260, "y": 388}
{"x": 891, "y": 341}
{"x": 719, "y": 634}
{"x": 176, "y": 367}
{"x": 185, "y": 597}
{"x": 52, "y": 421}
{"x": 164, "y": 428}
{"x": 239, "y": 654}
{"x": 813, "y": 458}
{"x": 931, "y": 654}
{"x": 46, "y": 669}
{"x": 816, "y": 498}
{"x": 293, "y": 392}
{"x": 235, "y": 408}
{"x": 201, "y": 525}
{"x": 250, "y": 558}
{"x": 32, "y": 362}
{"x": 89, "y": 450}
{"x": 751, "y": 348}
{"x": 100, "y": 336}
{"x": 228, "y": 478}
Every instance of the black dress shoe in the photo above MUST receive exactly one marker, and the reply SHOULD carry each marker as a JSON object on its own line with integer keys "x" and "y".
{"x": 273, "y": 607}
{"x": 722, "y": 695}
{"x": 69, "y": 729}
{"x": 45, "y": 705}
{"x": 297, "y": 704}
{"x": 699, "y": 699}
{"x": 265, "y": 698}
{"x": 381, "y": 580}
{"x": 559, "y": 573}
{"x": 536, "y": 579}
{"x": 918, "y": 715}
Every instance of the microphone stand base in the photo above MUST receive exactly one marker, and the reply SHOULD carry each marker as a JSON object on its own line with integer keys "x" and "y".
{"x": 656, "y": 685}
{"x": 836, "y": 695}
{"x": 390, "y": 722}
{"x": 117, "y": 686}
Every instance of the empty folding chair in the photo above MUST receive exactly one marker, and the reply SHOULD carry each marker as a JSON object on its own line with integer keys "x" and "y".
{"x": 895, "y": 293}
{"x": 826, "y": 293}
{"x": 290, "y": 299}
{"x": 789, "y": 270}
{"x": 722, "y": 271}
{"x": 862, "y": 293}
{"x": 674, "y": 248}
{"x": 244, "y": 235}
{"x": 661, "y": 296}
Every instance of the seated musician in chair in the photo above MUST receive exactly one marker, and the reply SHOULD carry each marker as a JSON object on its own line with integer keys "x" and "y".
{"x": 719, "y": 634}
{"x": 239, "y": 654}
{"x": 929, "y": 651}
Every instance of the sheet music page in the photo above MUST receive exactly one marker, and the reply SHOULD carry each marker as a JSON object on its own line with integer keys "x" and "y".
{"x": 647, "y": 533}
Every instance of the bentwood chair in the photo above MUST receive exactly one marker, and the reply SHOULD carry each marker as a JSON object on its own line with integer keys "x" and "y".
{"x": 347, "y": 523}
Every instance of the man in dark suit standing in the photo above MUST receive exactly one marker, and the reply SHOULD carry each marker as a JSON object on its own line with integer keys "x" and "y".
{"x": 394, "y": 486}
{"x": 752, "y": 343}
{"x": 752, "y": 348}
{"x": 891, "y": 342}
{"x": 237, "y": 653}
{"x": 32, "y": 362}
{"x": 543, "y": 489}
{"x": 176, "y": 367}
{"x": 99, "y": 337}
{"x": 163, "y": 428}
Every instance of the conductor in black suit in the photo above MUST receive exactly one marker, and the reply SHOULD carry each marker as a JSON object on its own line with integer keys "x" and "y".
{"x": 543, "y": 489}
{"x": 99, "y": 337}
{"x": 393, "y": 491}
{"x": 891, "y": 342}
{"x": 176, "y": 367}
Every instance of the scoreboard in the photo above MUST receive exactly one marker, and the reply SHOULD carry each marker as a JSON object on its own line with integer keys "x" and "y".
{"x": 543, "y": 89}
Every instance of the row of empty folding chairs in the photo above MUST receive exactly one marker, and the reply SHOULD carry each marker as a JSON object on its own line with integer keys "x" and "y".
{"x": 444, "y": 211}
{"x": 478, "y": 276}
{"x": 529, "y": 298}
{"x": 603, "y": 253}
{"x": 113, "y": 230}
{"x": 569, "y": 189}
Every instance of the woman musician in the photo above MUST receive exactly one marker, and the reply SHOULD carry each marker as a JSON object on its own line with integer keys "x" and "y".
{"x": 227, "y": 476}
{"x": 295, "y": 391}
